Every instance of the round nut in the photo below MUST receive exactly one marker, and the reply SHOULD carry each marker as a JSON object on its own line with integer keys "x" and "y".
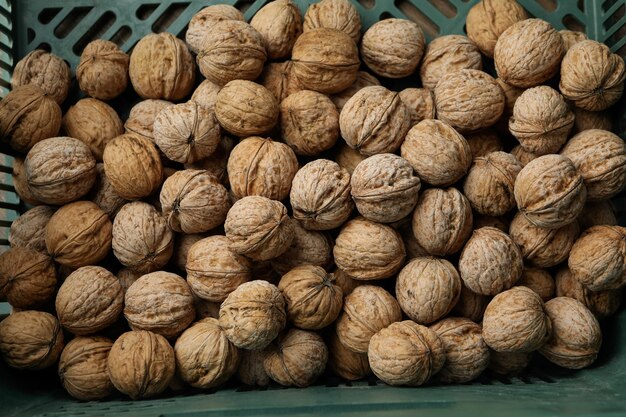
{"x": 585, "y": 120}
{"x": 83, "y": 368}
{"x": 44, "y": 70}
{"x": 251, "y": 371}
{"x": 572, "y": 37}
{"x": 523, "y": 156}
{"x": 345, "y": 363}
{"x": 102, "y": 72}
{"x": 205, "y": 95}
{"x": 127, "y": 277}
{"x": 334, "y": 14}
{"x": 470, "y": 305}
{"x": 141, "y": 117}
{"x": 346, "y": 282}
{"x": 29, "y": 230}
{"x": 501, "y": 222}
{"x": 601, "y": 303}
{"x": 483, "y": 143}
{"x": 363, "y": 79}
{"x": 20, "y": 183}
{"x": 280, "y": 24}
{"x": 202, "y": 23}
{"x": 540, "y": 281}
{"x": 280, "y": 80}
{"x": 448, "y": 53}
{"x": 182, "y": 245}
{"x": 487, "y": 20}
{"x": 509, "y": 363}
{"x": 348, "y": 158}
{"x": 308, "y": 247}
{"x": 104, "y": 195}
{"x": 420, "y": 102}
{"x": 27, "y": 278}
{"x": 594, "y": 214}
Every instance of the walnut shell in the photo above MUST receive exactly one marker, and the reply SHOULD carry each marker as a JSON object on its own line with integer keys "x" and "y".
{"x": 594, "y": 214}
{"x": 205, "y": 358}
{"x": 334, "y": 14}
{"x": 308, "y": 247}
{"x": 448, "y": 53}
{"x": 470, "y": 305}
{"x": 182, "y": 245}
{"x": 29, "y": 230}
{"x": 483, "y": 143}
{"x": 161, "y": 67}
{"x": 345, "y": 363}
{"x": 501, "y": 222}
{"x": 104, "y": 195}
{"x": 127, "y": 277}
{"x": 30, "y": 340}
{"x": 591, "y": 76}
{"x": 393, "y": 48}
{"x": 251, "y": 371}
{"x": 420, "y": 102}
{"x": 509, "y": 363}
{"x": 576, "y": 335}
{"x": 363, "y": 79}
{"x": 44, "y": 70}
{"x": 511, "y": 94}
{"x": 141, "y": 364}
{"x": 572, "y": 37}
{"x": 20, "y": 183}
{"x": 83, "y": 368}
{"x": 540, "y": 281}
{"x": 585, "y": 120}
{"x": 601, "y": 303}
{"x": 412, "y": 246}
{"x": 367, "y": 310}
{"x": 202, "y": 23}
{"x": 205, "y": 95}
{"x": 491, "y": 262}
{"x": 346, "y": 282}
{"x": 427, "y": 289}
{"x": 528, "y": 53}
{"x": 280, "y": 24}
{"x": 523, "y": 156}
{"x": 280, "y": 80}
{"x": 141, "y": 117}
{"x": 550, "y": 192}
{"x": 142, "y": 240}
{"x": 348, "y": 158}
{"x": 27, "y": 278}
{"x": 102, "y": 72}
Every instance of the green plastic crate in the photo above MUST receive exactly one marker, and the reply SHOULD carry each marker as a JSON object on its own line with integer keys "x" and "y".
{"x": 65, "y": 26}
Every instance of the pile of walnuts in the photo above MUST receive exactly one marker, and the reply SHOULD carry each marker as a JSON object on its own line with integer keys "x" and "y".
{"x": 269, "y": 209}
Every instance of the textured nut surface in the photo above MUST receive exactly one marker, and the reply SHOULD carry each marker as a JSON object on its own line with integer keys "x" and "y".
{"x": 280, "y": 24}
{"x": 334, "y": 14}
{"x": 501, "y": 222}
{"x": 470, "y": 305}
{"x": 597, "y": 213}
{"x": 585, "y": 119}
{"x": 412, "y": 246}
{"x": 571, "y": 38}
{"x": 83, "y": 368}
{"x": 347, "y": 157}
{"x": 448, "y": 53}
{"x": 44, "y": 70}
{"x": 251, "y": 370}
{"x": 363, "y": 79}
{"x": 511, "y": 94}
{"x": 205, "y": 95}
{"x": 345, "y": 363}
{"x": 127, "y": 277}
{"x": 420, "y": 102}
{"x": 522, "y": 155}
{"x": 487, "y": 20}
{"x": 601, "y": 303}
{"x": 540, "y": 281}
{"x": 483, "y": 143}
{"x": 280, "y": 80}
{"x": 104, "y": 195}
{"x": 29, "y": 230}
{"x": 202, "y": 23}
{"x": 141, "y": 117}
{"x": 309, "y": 247}
{"x": 509, "y": 363}
{"x": 20, "y": 183}
{"x": 346, "y": 282}
{"x": 102, "y": 72}
{"x": 27, "y": 278}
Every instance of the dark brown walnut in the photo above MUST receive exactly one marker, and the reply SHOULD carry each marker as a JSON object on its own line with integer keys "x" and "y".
{"x": 214, "y": 270}
{"x": 127, "y": 277}
{"x": 83, "y": 368}
{"x": 186, "y": 132}
{"x": 585, "y": 120}
{"x": 27, "y": 278}
{"x": 79, "y": 234}
{"x": 469, "y": 100}
{"x": 20, "y": 183}
{"x": 309, "y": 247}
{"x": 133, "y": 166}
{"x": 251, "y": 371}
{"x": 601, "y": 303}
{"x": 280, "y": 24}
{"x": 205, "y": 95}
{"x": 104, "y": 195}
{"x": 523, "y": 156}
{"x": 253, "y": 315}
{"x": 160, "y": 302}
{"x": 540, "y": 281}
{"x": 406, "y": 353}
{"x": 202, "y": 23}
{"x": 367, "y": 250}
{"x": 141, "y": 117}
{"x": 374, "y": 120}
{"x": 500, "y": 222}
{"x": 320, "y": 195}
{"x": 528, "y": 53}
{"x": 509, "y": 363}
{"x": 591, "y": 76}
{"x": 384, "y": 188}
{"x": 470, "y": 305}
{"x": 345, "y": 363}
{"x": 346, "y": 282}
{"x": 367, "y": 310}
{"x": 334, "y": 14}
{"x": 102, "y": 72}
{"x": 29, "y": 230}
{"x": 393, "y": 48}
{"x": 141, "y": 364}
{"x": 427, "y": 289}
{"x": 280, "y": 80}
{"x": 217, "y": 163}
{"x": 550, "y": 192}
{"x": 576, "y": 335}
{"x": 442, "y": 221}
{"x": 44, "y": 70}
{"x": 347, "y": 157}
{"x": 363, "y": 79}
{"x": 467, "y": 354}
{"x": 205, "y": 358}
{"x": 30, "y": 340}
{"x": 491, "y": 262}
{"x": 420, "y": 102}
{"x": 543, "y": 247}
{"x": 597, "y": 213}
{"x": 161, "y": 67}
{"x": 483, "y": 143}
{"x": 572, "y": 37}
{"x": 297, "y": 358}
{"x": 325, "y": 60}
{"x": 89, "y": 300}
{"x": 142, "y": 240}
{"x": 448, "y": 53}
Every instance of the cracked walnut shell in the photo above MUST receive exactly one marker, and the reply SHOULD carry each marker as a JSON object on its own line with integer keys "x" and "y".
{"x": 29, "y": 230}
{"x": 601, "y": 303}
{"x": 280, "y": 24}
{"x": 448, "y": 53}
{"x": 334, "y": 14}
{"x": 309, "y": 247}
{"x": 45, "y": 70}
{"x": 102, "y": 72}
{"x": 28, "y": 278}
{"x": 202, "y": 23}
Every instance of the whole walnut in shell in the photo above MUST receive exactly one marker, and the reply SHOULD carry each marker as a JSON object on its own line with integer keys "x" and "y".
{"x": 420, "y": 102}
{"x": 202, "y": 23}
{"x": 500, "y": 222}
{"x": 363, "y": 79}
{"x": 528, "y": 53}
{"x": 20, "y": 183}
{"x": 384, "y": 188}
{"x": 511, "y": 94}
{"x": 374, "y": 120}
{"x": 27, "y": 278}
{"x": 572, "y": 37}
{"x": 104, "y": 195}
{"x": 309, "y": 247}
{"x": 585, "y": 120}
{"x": 594, "y": 213}
{"x": 427, "y": 289}
{"x": 142, "y": 240}
{"x": 251, "y": 371}
{"x": 346, "y": 282}
{"x": 487, "y": 20}
{"x": 217, "y": 163}
{"x": 142, "y": 115}
{"x": 393, "y": 48}
{"x": 591, "y": 76}
{"x": 253, "y": 315}
{"x": 483, "y": 143}
{"x": 448, "y": 53}
{"x": 491, "y": 262}
{"x": 550, "y": 192}
{"x": 161, "y": 67}
{"x": 509, "y": 363}
{"x": 280, "y": 80}
{"x": 29, "y": 230}
{"x": 44, "y": 70}
{"x": 127, "y": 277}
{"x": 102, "y": 72}
{"x": 345, "y": 363}
{"x": 601, "y": 303}
{"x": 334, "y": 14}
{"x": 470, "y": 305}
{"x": 576, "y": 335}
{"x": 83, "y": 368}
{"x": 540, "y": 281}
{"x": 141, "y": 364}
{"x": 205, "y": 95}
{"x": 280, "y": 24}
{"x": 523, "y": 156}
{"x": 412, "y": 246}
{"x": 348, "y": 158}
{"x": 205, "y": 358}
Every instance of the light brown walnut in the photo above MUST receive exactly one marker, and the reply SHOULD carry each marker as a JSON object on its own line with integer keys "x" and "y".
{"x": 309, "y": 247}
{"x": 448, "y": 53}
{"x": 127, "y": 277}
{"x": 102, "y": 72}
{"x": 334, "y": 14}
{"x": 28, "y": 278}
{"x": 501, "y": 222}
{"x": 345, "y": 363}
{"x": 141, "y": 117}
{"x": 205, "y": 95}
{"x": 44, "y": 70}
{"x": 470, "y": 305}
{"x": 585, "y": 120}
{"x": 363, "y": 79}
{"x": 602, "y": 304}
{"x": 280, "y": 24}
{"x": 420, "y": 102}
{"x": 523, "y": 156}
{"x": 280, "y": 80}
{"x": 540, "y": 281}
{"x": 104, "y": 195}
{"x": 29, "y": 230}
{"x": 20, "y": 183}
{"x": 595, "y": 213}
{"x": 509, "y": 363}
{"x": 202, "y": 23}
{"x": 572, "y": 37}
{"x": 483, "y": 143}
{"x": 251, "y": 371}
{"x": 83, "y": 368}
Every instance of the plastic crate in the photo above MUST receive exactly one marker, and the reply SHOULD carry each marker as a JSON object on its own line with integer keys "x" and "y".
{"x": 65, "y": 26}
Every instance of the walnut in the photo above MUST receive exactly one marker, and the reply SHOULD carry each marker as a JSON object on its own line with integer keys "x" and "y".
{"x": 142, "y": 240}
{"x": 523, "y": 156}
{"x": 102, "y": 72}
{"x": 491, "y": 262}
{"x": 364, "y": 79}
{"x": 20, "y": 183}
{"x": 141, "y": 364}
{"x": 205, "y": 95}
{"x": 543, "y": 247}
{"x": 576, "y": 335}
{"x": 412, "y": 246}
{"x": 467, "y": 354}
{"x": 127, "y": 277}
{"x": 470, "y": 305}
{"x": 550, "y": 192}
{"x": 45, "y": 70}
{"x": 320, "y": 195}
{"x": 133, "y": 166}
{"x": 202, "y": 23}
{"x": 308, "y": 247}
{"x": 325, "y": 60}
{"x": 601, "y": 303}
{"x": 182, "y": 245}
{"x": 448, "y": 53}
{"x": 280, "y": 80}
{"x": 393, "y": 48}
{"x": 572, "y": 37}
{"x": 79, "y": 234}
{"x": 374, "y": 120}
{"x": 442, "y": 221}
{"x": 217, "y": 163}
{"x": 585, "y": 120}
{"x": 334, "y": 14}
{"x": 89, "y": 300}
{"x": 367, "y": 310}
{"x": 348, "y": 158}
{"x": 594, "y": 214}
{"x": 83, "y": 368}
{"x": 483, "y": 143}
{"x": 346, "y": 282}
{"x": 206, "y": 309}
{"x": 253, "y": 315}
{"x": 27, "y": 278}
{"x": 280, "y": 24}
{"x": 345, "y": 363}
{"x": 427, "y": 289}
{"x": 591, "y": 76}
{"x": 420, "y": 102}
{"x": 30, "y": 340}
{"x": 251, "y": 371}
{"x": 500, "y": 222}
{"x": 104, "y": 195}
{"x": 186, "y": 132}
{"x": 406, "y": 353}
{"x": 540, "y": 281}
{"x": 297, "y": 358}
{"x": 509, "y": 363}
{"x": 28, "y": 230}
{"x": 141, "y": 118}
{"x": 489, "y": 18}
{"x": 205, "y": 358}
{"x": 511, "y": 94}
